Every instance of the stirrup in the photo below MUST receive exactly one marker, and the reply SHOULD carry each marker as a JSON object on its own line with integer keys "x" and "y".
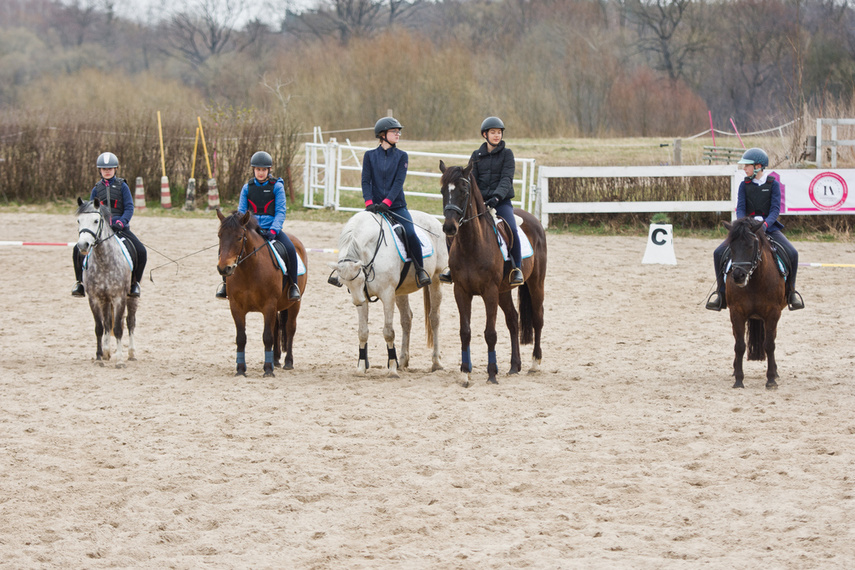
{"x": 293, "y": 293}
{"x": 221, "y": 292}
{"x": 77, "y": 290}
{"x": 716, "y": 302}
{"x": 422, "y": 278}
{"x": 515, "y": 279}
{"x": 135, "y": 290}
{"x": 795, "y": 301}
{"x": 445, "y": 276}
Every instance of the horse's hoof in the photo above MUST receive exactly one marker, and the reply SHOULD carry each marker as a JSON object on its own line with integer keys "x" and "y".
{"x": 288, "y": 366}
{"x": 100, "y": 363}
{"x": 239, "y": 373}
{"x": 771, "y": 385}
{"x": 492, "y": 381}
{"x": 738, "y": 385}
{"x": 436, "y": 366}
{"x": 121, "y": 365}
{"x": 465, "y": 380}
{"x": 393, "y": 373}
{"x": 269, "y": 375}
{"x": 132, "y": 358}
{"x": 513, "y": 370}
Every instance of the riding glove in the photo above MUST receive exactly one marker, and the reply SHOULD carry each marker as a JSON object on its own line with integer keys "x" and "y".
{"x": 270, "y": 235}
{"x": 381, "y": 208}
{"x": 492, "y": 201}
{"x": 117, "y": 226}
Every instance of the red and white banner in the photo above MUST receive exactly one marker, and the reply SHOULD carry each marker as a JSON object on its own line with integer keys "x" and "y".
{"x": 816, "y": 191}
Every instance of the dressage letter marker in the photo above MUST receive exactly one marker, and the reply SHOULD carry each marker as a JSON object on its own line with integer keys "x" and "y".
{"x": 660, "y": 245}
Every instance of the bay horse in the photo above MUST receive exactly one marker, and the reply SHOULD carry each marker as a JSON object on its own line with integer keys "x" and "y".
{"x": 254, "y": 283}
{"x": 106, "y": 279}
{"x": 755, "y": 294}
{"x": 370, "y": 265}
{"x": 478, "y": 268}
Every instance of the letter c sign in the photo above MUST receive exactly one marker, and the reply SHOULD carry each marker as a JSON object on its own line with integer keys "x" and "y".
{"x": 656, "y": 236}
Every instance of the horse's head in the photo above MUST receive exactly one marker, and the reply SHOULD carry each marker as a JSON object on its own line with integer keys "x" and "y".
{"x": 93, "y": 224}
{"x": 233, "y": 235}
{"x": 456, "y": 190}
{"x": 351, "y": 274}
{"x": 746, "y": 238}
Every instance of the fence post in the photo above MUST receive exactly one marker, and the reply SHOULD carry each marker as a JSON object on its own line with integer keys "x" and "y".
{"x": 678, "y": 152}
{"x": 819, "y": 153}
{"x": 165, "y": 196}
{"x": 139, "y": 194}
{"x": 213, "y": 194}
{"x": 190, "y": 202}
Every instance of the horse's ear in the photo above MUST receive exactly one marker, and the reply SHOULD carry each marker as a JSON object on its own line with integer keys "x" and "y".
{"x": 220, "y": 214}
{"x": 442, "y": 166}
{"x": 244, "y": 220}
{"x": 97, "y": 203}
{"x": 332, "y": 265}
{"x": 468, "y": 168}
{"x": 79, "y": 201}
{"x": 727, "y": 225}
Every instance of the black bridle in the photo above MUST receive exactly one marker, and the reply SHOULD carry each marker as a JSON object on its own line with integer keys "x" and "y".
{"x": 462, "y": 181}
{"x": 368, "y": 268}
{"x": 755, "y": 261}
{"x": 241, "y": 258}
{"x": 98, "y": 240}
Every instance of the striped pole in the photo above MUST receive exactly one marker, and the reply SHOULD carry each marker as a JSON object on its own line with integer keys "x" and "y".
{"x": 139, "y": 194}
{"x": 165, "y": 196}
{"x": 190, "y": 202}
{"x": 18, "y": 243}
{"x": 213, "y": 194}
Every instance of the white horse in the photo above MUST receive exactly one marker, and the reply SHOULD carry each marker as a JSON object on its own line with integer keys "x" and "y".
{"x": 370, "y": 266}
{"x": 106, "y": 279}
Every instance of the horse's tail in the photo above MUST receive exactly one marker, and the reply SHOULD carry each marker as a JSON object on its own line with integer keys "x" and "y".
{"x": 526, "y": 325}
{"x": 756, "y": 339}
{"x": 283, "y": 331}
{"x": 428, "y": 328}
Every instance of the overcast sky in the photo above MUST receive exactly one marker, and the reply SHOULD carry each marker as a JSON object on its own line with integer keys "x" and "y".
{"x": 153, "y": 10}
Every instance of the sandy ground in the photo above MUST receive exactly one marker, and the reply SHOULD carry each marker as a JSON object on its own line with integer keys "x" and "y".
{"x": 628, "y": 449}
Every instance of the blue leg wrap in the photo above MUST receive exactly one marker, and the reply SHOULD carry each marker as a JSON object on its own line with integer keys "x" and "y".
{"x": 466, "y": 359}
{"x": 241, "y": 358}
{"x": 491, "y": 357}
{"x": 268, "y": 356}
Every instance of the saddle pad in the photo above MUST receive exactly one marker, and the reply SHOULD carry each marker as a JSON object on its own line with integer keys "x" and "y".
{"x": 123, "y": 248}
{"x": 301, "y": 268}
{"x": 525, "y": 246}
{"x": 427, "y": 246}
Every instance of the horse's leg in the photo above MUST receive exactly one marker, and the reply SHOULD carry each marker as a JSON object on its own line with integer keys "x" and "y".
{"x": 537, "y": 294}
{"x": 240, "y": 340}
{"x": 268, "y": 338}
{"x": 362, "y": 365}
{"x": 107, "y": 328}
{"x": 388, "y": 300}
{"x": 464, "y": 309}
{"x": 491, "y": 308}
{"x": 738, "y": 324}
{"x": 277, "y": 347}
{"x": 771, "y": 324}
{"x": 118, "y": 327}
{"x": 132, "y": 323}
{"x": 403, "y": 303}
{"x": 290, "y": 327}
{"x": 434, "y": 297}
{"x": 512, "y": 320}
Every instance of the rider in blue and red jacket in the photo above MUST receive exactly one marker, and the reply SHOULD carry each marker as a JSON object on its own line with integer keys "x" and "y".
{"x": 115, "y": 192}
{"x": 264, "y": 196}
{"x": 759, "y": 196}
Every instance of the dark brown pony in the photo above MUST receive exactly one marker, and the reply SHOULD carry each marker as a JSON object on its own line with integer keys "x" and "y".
{"x": 477, "y": 268}
{"x": 254, "y": 283}
{"x": 755, "y": 294}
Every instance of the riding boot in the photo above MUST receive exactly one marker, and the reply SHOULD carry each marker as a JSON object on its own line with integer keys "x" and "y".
{"x": 794, "y": 301}
{"x": 422, "y": 278}
{"x": 445, "y": 276}
{"x": 77, "y": 290}
{"x": 293, "y": 292}
{"x": 135, "y": 289}
{"x": 221, "y": 291}
{"x": 516, "y": 277}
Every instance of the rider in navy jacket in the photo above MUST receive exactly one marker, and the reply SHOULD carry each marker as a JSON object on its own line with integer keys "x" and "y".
{"x": 758, "y": 196}
{"x": 384, "y": 170}
{"x": 113, "y": 191}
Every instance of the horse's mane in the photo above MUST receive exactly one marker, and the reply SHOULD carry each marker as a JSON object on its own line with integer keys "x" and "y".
{"x": 742, "y": 229}
{"x": 232, "y": 222}
{"x": 347, "y": 246}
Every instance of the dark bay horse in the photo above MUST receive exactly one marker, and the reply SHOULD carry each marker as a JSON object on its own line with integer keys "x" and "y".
{"x": 255, "y": 284}
{"x": 755, "y": 294}
{"x": 106, "y": 279}
{"x": 478, "y": 268}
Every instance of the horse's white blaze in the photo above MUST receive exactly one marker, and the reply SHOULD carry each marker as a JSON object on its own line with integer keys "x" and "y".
{"x": 451, "y": 187}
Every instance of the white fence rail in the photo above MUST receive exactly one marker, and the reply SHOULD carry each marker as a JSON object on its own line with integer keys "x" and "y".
{"x": 325, "y": 163}
{"x": 544, "y": 207}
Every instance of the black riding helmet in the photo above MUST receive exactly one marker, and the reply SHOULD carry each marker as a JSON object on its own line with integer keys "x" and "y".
{"x": 261, "y": 159}
{"x": 385, "y": 124}
{"x": 492, "y": 123}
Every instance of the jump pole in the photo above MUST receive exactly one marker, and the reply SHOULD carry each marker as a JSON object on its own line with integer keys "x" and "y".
{"x": 213, "y": 192}
{"x": 190, "y": 201}
{"x": 737, "y": 132}
{"x": 165, "y": 196}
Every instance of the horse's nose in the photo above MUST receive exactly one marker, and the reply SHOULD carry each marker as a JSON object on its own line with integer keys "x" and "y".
{"x": 227, "y": 270}
{"x": 740, "y": 277}
{"x": 449, "y": 227}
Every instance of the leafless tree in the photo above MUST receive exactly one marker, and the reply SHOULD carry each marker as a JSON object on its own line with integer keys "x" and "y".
{"x": 208, "y": 28}
{"x": 671, "y": 31}
{"x": 348, "y": 19}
